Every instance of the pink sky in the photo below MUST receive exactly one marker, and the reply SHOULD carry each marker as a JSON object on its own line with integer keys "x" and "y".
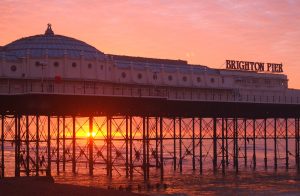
{"x": 203, "y": 32}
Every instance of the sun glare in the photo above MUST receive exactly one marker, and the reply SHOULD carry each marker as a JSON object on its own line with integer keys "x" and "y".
{"x": 93, "y": 134}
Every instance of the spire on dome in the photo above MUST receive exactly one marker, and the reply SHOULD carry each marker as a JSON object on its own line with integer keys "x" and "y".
{"x": 49, "y": 30}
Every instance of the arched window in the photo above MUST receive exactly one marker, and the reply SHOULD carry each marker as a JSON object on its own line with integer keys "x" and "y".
{"x": 198, "y": 79}
{"x": 37, "y": 63}
{"x": 101, "y": 67}
{"x": 74, "y": 64}
{"x": 123, "y": 75}
{"x": 212, "y": 80}
{"x": 139, "y": 76}
{"x": 170, "y": 78}
{"x": 89, "y": 65}
{"x": 56, "y": 64}
{"x": 13, "y": 68}
{"x": 184, "y": 78}
{"x": 154, "y": 76}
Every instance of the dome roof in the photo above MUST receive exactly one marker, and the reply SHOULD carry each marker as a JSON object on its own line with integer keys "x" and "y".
{"x": 51, "y": 45}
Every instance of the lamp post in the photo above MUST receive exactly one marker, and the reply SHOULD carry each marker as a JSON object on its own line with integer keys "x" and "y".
{"x": 42, "y": 65}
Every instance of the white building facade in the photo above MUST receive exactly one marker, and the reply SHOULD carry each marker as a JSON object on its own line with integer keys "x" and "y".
{"x": 55, "y": 64}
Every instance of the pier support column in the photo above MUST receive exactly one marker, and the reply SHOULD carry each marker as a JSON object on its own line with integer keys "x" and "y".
{"x": 265, "y": 144}
{"x": 180, "y": 145}
{"x": 37, "y": 156}
{"x": 57, "y": 146}
{"x": 226, "y": 142}
{"x": 236, "y": 128}
{"x": 144, "y": 149}
{"x": 254, "y": 145}
{"x": 161, "y": 149}
{"x": 286, "y": 145}
{"x": 156, "y": 143}
{"x": 297, "y": 144}
{"x": 275, "y": 144}
{"x": 174, "y": 144}
{"x": 215, "y": 145}
{"x": 147, "y": 149}
{"x": 74, "y": 145}
{"x": 2, "y": 146}
{"x": 200, "y": 145}
{"x": 193, "y": 160}
{"x": 27, "y": 145}
{"x": 126, "y": 145}
{"x": 64, "y": 143}
{"x": 223, "y": 149}
{"x": 245, "y": 142}
{"x": 90, "y": 146}
{"x": 48, "y": 173}
{"x": 17, "y": 146}
{"x": 130, "y": 147}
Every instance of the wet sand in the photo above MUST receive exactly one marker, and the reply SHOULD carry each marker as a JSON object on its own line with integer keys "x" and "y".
{"x": 45, "y": 186}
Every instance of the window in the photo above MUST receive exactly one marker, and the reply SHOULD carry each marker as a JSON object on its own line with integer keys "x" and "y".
{"x": 212, "y": 80}
{"x": 139, "y": 76}
{"x": 56, "y": 64}
{"x": 37, "y": 63}
{"x": 123, "y": 75}
{"x": 74, "y": 64}
{"x": 155, "y": 76}
{"x": 101, "y": 67}
{"x": 89, "y": 65}
{"x": 170, "y": 78}
{"x": 198, "y": 79}
{"x": 184, "y": 78}
{"x": 13, "y": 68}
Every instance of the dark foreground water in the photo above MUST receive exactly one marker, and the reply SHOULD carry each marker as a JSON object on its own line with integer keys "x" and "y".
{"x": 245, "y": 183}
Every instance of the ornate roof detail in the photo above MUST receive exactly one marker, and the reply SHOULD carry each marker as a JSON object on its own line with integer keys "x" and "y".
{"x": 56, "y": 46}
{"x": 49, "y": 30}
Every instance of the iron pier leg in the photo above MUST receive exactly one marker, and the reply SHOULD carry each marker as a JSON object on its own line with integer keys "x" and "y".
{"x": 275, "y": 144}
{"x": 91, "y": 158}
{"x": 193, "y": 144}
{"x": 130, "y": 147}
{"x": 297, "y": 144}
{"x": 236, "y": 145}
{"x": 161, "y": 150}
{"x": 144, "y": 149}
{"x": 180, "y": 145}
{"x": 286, "y": 145}
{"x": 245, "y": 142}
{"x": 37, "y": 168}
{"x": 200, "y": 145}
{"x": 64, "y": 144}
{"x": 2, "y": 146}
{"x": 174, "y": 143}
{"x": 265, "y": 143}
{"x": 17, "y": 146}
{"x": 254, "y": 147}
{"x": 48, "y": 147}
{"x": 215, "y": 144}
{"x": 156, "y": 142}
{"x": 223, "y": 154}
{"x": 226, "y": 141}
{"x": 74, "y": 145}
{"x": 126, "y": 143}
{"x": 57, "y": 145}
{"x": 27, "y": 146}
{"x": 147, "y": 147}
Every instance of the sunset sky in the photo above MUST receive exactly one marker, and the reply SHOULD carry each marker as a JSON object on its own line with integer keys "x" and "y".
{"x": 203, "y": 32}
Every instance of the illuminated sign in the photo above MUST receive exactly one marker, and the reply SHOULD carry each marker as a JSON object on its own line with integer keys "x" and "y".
{"x": 253, "y": 66}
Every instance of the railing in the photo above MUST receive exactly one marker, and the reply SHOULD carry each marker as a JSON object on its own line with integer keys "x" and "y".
{"x": 17, "y": 87}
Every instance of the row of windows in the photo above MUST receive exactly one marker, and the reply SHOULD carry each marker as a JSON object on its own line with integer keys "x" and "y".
{"x": 55, "y": 64}
{"x": 170, "y": 77}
